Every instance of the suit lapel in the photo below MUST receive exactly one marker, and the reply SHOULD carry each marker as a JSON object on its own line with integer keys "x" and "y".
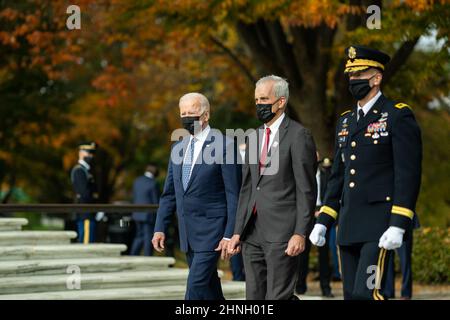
{"x": 254, "y": 168}
{"x": 282, "y": 130}
{"x": 177, "y": 168}
{"x": 352, "y": 122}
{"x": 199, "y": 161}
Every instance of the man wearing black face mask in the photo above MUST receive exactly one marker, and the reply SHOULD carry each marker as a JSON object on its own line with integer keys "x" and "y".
{"x": 202, "y": 187}
{"x": 85, "y": 189}
{"x": 375, "y": 178}
{"x": 278, "y": 196}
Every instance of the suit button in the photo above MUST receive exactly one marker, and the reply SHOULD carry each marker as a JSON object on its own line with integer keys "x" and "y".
{"x": 351, "y": 185}
{"x": 388, "y": 198}
{"x": 375, "y": 141}
{"x": 352, "y": 157}
{"x": 352, "y": 171}
{"x": 353, "y": 144}
{"x": 257, "y": 188}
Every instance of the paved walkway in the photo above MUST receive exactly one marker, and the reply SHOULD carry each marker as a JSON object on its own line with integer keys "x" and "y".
{"x": 420, "y": 292}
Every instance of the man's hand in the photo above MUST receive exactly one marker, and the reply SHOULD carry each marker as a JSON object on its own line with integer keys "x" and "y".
{"x": 234, "y": 245}
{"x": 317, "y": 235}
{"x": 223, "y": 247}
{"x": 317, "y": 214}
{"x": 158, "y": 241}
{"x": 392, "y": 238}
{"x": 296, "y": 245}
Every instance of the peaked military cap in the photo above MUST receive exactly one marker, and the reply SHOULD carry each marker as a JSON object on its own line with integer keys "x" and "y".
{"x": 361, "y": 58}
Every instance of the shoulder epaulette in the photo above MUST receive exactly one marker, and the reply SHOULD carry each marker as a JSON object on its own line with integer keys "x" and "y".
{"x": 402, "y": 105}
{"x": 345, "y": 112}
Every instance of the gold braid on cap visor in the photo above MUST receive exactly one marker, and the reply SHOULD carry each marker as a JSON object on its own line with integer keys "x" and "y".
{"x": 361, "y": 64}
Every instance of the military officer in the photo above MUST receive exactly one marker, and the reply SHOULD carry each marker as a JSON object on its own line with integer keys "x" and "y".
{"x": 375, "y": 178}
{"x": 85, "y": 190}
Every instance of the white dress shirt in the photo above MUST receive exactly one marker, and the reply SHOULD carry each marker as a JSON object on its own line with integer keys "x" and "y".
{"x": 148, "y": 174}
{"x": 198, "y": 145}
{"x": 273, "y": 131}
{"x": 366, "y": 108}
{"x": 84, "y": 164}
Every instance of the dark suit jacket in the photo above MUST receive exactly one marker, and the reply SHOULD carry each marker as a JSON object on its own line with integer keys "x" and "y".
{"x": 145, "y": 191}
{"x": 85, "y": 188}
{"x": 206, "y": 210}
{"x": 285, "y": 201}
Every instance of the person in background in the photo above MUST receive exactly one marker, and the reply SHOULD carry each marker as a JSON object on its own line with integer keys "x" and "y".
{"x": 335, "y": 271}
{"x": 85, "y": 190}
{"x": 322, "y": 176}
{"x": 145, "y": 191}
{"x": 405, "y": 255}
{"x": 236, "y": 261}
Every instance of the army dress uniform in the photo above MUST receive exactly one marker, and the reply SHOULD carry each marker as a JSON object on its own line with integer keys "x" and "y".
{"x": 85, "y": 192}
{"x": 374, "y": 184}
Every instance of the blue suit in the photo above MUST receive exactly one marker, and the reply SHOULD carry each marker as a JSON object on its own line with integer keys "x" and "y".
{"x": 145, "y": 191}
{"x": 205, "y": 210}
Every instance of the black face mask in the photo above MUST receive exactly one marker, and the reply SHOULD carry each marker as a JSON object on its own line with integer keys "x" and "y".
{"x": 89, "y": 159}
{"x": 188, "y": 123}
{"x": 264, "y": 111}
{"x": 359, "y": 88}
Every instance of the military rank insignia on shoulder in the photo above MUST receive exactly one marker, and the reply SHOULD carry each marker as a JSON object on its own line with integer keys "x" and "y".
{"x": 345, "y": 112}
{"x": 402, "y": 105}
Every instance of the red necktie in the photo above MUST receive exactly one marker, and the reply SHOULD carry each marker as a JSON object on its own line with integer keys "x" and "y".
{"x": 262, "y": 160}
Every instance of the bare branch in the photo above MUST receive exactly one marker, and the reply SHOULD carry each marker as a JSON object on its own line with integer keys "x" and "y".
{"x": 235, "y": 58}
{"x": 399, "y": 58}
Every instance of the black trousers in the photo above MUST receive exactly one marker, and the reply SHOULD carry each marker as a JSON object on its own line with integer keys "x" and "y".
{"x": 324, "y": 267}
{"x": 143, "y": 238}
{"x": 363, "y": 270}
{"x": 405, "y": 256}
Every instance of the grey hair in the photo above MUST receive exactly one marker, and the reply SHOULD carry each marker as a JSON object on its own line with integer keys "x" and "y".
{"x": 204, "y": 103}
{"x": 280, "y": 86}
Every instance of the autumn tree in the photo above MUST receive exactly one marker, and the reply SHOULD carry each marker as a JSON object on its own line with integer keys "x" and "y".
{"x": 304, "y": 42}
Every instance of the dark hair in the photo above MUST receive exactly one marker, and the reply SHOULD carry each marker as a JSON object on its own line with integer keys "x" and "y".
{"x": 152, "y": 168}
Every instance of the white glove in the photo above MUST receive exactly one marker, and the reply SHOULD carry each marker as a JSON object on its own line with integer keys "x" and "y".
{"x": 99, "y": 216}
{"x": 392, "y": 238}
{"x": 317, "y": 235}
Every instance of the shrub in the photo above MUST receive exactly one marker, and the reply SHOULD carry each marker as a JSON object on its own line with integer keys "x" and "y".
{"x": 431, "y": 255}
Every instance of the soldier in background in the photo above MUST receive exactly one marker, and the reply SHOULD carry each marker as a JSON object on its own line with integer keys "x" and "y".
{"x": 145, "y": 191}
{"x": 322, "y": 176}
{"x": 405, "y": 257}
{"x": 85, "y": 191}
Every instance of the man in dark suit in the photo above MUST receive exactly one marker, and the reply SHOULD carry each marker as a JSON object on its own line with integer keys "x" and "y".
{"x": 323, "y": 173}
{"x": 278, "y": 195}
{"x": 375, "y": 178}
{"x": 145, "y": 191}
{"x": 85, "y": 190}
{"x": 202, "y": 186}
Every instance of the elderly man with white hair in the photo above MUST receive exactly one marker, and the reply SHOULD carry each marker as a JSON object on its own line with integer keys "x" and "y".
{"x": 278, "y": 196}
{"x": 203, "y": 188}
